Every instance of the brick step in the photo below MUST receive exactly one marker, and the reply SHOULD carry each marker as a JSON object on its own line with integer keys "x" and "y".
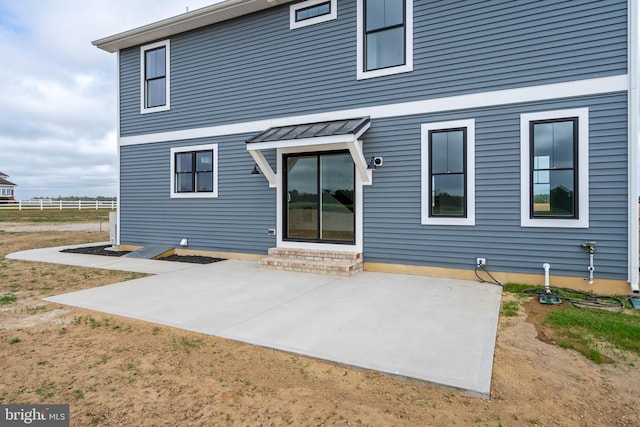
{"x": 314, "y": 255}
{"x": 334, "y": 267}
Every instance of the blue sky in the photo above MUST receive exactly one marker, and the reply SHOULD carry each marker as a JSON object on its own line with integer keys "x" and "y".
{"x": 58, "y": 103}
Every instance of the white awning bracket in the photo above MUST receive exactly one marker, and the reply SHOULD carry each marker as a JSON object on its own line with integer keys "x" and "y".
{"x": 265, "y": 167}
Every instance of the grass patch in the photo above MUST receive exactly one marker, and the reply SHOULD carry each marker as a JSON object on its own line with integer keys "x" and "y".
{"x": 46, "y": 390}
{"x": 187, "y": 343}
{"x": 90, "y": 321}
{"x": 619, "y": 329}
{"x": 8, "y": 299}
{"x": 587, "y": 330}
{"x": 510, "y": 308}
{"x": 516, "y": 288}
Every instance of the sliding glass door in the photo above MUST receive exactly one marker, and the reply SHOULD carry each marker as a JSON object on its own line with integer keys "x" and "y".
{"x": 320, "y": 197}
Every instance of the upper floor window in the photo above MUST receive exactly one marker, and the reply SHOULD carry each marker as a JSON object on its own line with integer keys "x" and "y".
{"x": 155, "y": 71}
{"x": 194, "y": 171}
{"x": 556, "y": 148}
{"x": 448, "y": 173}
{"x": 385, "y": 37}
{"x": 312, "y": 12}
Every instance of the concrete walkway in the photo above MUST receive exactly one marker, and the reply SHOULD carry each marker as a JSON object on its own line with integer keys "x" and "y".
{"x": 432, "y": 329}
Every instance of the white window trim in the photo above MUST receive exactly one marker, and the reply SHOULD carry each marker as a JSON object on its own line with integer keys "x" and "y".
{"x": 408, "y": 66}
{"x": 583, "y": 169}
{"x": 293, "y": 24}
{"x": 470, "y": 173}
{"x": 194, "y": 195}
{"x": 143, "y": 49}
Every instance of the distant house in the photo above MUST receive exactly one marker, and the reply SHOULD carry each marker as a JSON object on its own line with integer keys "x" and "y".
{"x": 6, "y": 188}
{"x": 409, "y": 136}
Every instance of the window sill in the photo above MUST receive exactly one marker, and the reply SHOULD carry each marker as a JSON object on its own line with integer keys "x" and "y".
{"x": 555, "y": 223}
{"x": 194, "y": 195}
{"x": 448, "y": 221}
{"x": 362, "y": 75}
{"x": 154, "y": 109}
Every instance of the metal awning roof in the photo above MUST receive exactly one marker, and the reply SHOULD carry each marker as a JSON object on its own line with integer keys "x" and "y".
{"x": 348, "y": 127}
{"x": 334, "y": 134}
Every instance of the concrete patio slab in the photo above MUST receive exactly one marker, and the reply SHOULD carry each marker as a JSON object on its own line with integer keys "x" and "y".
{"x": 432, "y": 329}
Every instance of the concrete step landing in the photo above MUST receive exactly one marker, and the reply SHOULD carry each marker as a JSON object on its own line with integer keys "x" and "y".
{"x": 313, "y": 261}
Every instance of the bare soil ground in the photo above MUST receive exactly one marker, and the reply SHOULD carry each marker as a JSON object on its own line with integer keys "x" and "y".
{"x": 115, "y": 371}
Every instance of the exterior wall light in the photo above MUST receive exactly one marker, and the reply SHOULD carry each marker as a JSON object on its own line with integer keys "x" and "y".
{"x": 374, "y": 163}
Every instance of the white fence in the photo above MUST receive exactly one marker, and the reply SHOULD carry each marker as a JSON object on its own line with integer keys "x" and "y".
{"x": 43, "y": 204}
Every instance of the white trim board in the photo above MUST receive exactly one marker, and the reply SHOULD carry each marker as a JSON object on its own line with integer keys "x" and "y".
{"x": 633, "y": 42}
{"x": 552, "y": 91}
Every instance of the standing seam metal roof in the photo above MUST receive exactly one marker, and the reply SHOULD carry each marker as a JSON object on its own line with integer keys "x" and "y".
{"x": 311, "y": 130}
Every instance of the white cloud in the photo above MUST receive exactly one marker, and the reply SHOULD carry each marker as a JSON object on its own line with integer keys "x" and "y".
{"x": 58, "y": 103}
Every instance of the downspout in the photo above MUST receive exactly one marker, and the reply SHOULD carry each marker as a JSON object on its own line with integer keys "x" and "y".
{"x": 633, "y": 101}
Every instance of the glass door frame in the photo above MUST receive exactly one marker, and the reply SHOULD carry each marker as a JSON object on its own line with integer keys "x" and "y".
{"x": 319, "y": 195}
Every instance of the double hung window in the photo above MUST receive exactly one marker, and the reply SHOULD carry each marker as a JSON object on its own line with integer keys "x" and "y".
{"x": 448, "y": 175}
{"x": 447, "y": 159}
{"x": 385, "y": 37}
{"x": 553, "y": 167}
{"x": 154, "y": 65}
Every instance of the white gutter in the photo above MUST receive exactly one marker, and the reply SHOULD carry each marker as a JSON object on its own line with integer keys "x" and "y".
{"x": 634, "y": 138}
{"x": 198, "y": 18}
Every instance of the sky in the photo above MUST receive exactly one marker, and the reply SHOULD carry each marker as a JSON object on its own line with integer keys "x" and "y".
{"x": 58, "y": 91}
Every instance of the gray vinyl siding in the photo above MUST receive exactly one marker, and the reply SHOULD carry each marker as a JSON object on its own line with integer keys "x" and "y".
{"x": 236, "y": 221}
{"x": 254, "y": 67}
{"x": 393, "y": 233}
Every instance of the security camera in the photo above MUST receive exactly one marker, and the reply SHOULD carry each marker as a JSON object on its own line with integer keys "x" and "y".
{"x": 378, "y": 161}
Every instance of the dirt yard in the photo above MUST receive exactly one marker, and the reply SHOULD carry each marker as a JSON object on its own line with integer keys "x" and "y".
{"x": 120, "y": 372}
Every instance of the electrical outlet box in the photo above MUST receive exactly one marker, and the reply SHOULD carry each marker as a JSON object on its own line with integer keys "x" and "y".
{"x": 271, "y": 231}
{"x": 481, "y": 262}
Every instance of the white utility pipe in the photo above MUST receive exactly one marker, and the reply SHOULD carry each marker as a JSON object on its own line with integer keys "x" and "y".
{"x": 546, "y": 267}
{"x": 591, "y": 268}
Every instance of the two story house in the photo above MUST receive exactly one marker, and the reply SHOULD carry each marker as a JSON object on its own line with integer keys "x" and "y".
{"x": 415, "y": 136}
{"x": 7, "y": 189}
